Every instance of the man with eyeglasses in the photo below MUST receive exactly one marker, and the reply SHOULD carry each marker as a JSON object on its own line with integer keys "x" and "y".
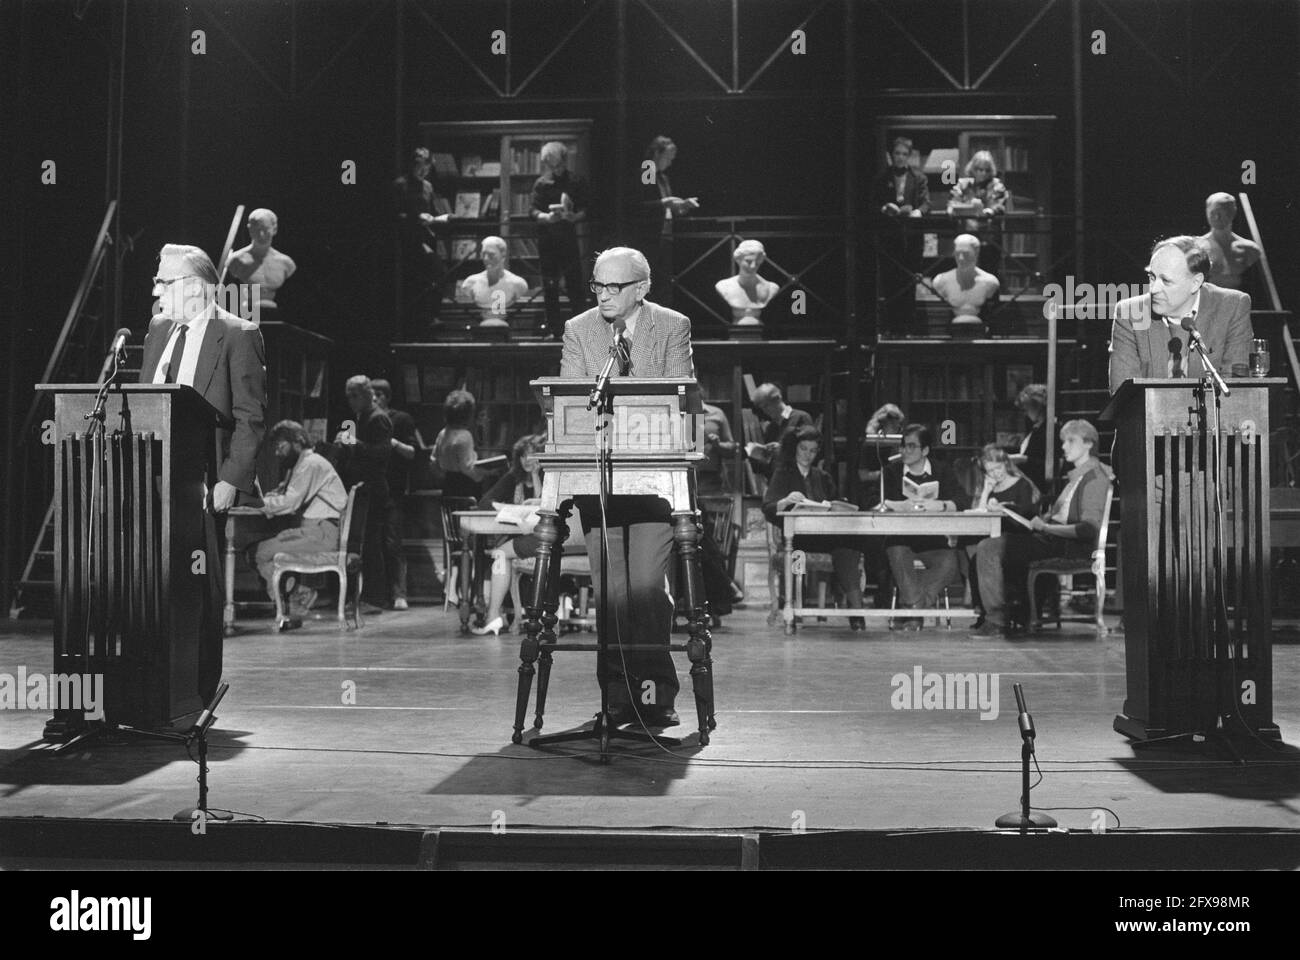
{"x": 916, "y": 484}
{"x": 193, "y": 341}
{"x": 639, "y": 528}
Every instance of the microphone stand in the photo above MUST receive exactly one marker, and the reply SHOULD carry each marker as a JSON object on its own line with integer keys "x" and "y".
{"x": 1025, "y": 818}
{"x": 882, "y": 437}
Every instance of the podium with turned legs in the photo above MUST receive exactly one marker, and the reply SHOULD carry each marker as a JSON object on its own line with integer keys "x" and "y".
{"x": 647, "y": 451}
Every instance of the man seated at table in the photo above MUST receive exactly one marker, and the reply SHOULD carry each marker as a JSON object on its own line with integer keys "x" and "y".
{"x": 310, "y": 499}
{"x": 1070, "y": 530}
{"x": 915, "y": 484}
{"x": 795, "y": 479}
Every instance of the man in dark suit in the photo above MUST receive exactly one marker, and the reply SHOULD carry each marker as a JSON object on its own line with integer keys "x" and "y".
{"x": 1147, "y": 338}
{"x": 639, "y": 528}
{"x": 899, "y": 193}
{"x": 194, "y": 342}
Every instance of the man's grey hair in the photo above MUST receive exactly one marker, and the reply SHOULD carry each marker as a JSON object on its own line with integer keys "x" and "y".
{"x": 640, "y": 265}
{"x": 198, "y": 262}
{"x": 360, "y": 382}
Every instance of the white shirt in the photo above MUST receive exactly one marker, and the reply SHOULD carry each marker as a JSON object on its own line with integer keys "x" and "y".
{"x": 193, "y": 342}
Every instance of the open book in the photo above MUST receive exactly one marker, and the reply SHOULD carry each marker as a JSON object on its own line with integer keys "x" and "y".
{"x": 920, "y": 491}
{"x": 520, "y": 514}
{"x": 825, "y": 506}
{"x": 1008, "y": 512}
{"x": 758, "y": 452}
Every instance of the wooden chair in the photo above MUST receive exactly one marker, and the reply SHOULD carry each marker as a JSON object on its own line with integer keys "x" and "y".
{"x": 453, "y": 544}
{"x": 955, "y": 589}
{"x": 720, "y": 524}
{"x": 572, "y": 564}
{"x": 803, "y": 562}
{"x": 343, "y": 562}
{"x": 1061, "y": 567}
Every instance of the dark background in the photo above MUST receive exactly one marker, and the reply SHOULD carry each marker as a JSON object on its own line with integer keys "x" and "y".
{"x": 289, "y": 89}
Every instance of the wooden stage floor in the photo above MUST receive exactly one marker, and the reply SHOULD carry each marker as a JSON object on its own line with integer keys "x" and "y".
{"x": 807, "y": 735}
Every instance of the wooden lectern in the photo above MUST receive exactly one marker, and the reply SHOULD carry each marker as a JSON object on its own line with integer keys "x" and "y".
{"x": 1193, "y": 654}
{"x": 130, "y": 548}
{"x": 650, "y": 454}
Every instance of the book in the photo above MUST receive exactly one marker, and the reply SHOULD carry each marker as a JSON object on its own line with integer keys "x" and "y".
{"x": 465, "y": 249}
{"x": 1008, "y": 512}
{"x": 468, "y": 205}
{"x": 920, "y": 491}
{"x": 759, "y": 452}
{"x": 492, "y": 205}
{"x": 521, "y": 514}
{"x": 494, "y": 461}
{"x": 825, "y": 506}
{"x": 491, "y": 168}
{"x": 471, "y": 165}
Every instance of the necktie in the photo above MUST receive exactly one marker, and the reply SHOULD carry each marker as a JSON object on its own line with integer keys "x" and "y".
{"x": 178, "y": 353}
{"x": 627, "y": 357}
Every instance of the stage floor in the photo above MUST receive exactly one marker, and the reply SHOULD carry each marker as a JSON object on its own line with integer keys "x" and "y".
{"x": 807, "y": 736}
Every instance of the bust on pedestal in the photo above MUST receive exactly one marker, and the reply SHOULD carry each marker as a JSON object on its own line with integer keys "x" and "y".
{"x": 493, "y": 291}
{"x": 746, "y": 292}
{"x": 966, "y": 287}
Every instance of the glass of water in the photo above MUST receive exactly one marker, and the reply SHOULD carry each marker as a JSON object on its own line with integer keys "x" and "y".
{"x": 1259, "y": 359}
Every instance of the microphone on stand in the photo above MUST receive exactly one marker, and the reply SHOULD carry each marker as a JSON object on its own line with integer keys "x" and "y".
{"x": 119, "y": 342}
{"x": 617, "y": 355}
{"x": 116, "y": 354}
{"x": 1189, "y": 325}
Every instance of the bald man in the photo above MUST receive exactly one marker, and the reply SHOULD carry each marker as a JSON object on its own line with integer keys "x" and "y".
{"x": 639, "y": 528}
{"x": 1230, "y": 255}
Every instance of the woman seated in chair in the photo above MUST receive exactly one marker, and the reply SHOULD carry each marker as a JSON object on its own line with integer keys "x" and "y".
{"x": 796, "y": 479}
{"x": 1004, "y": 489}
{"x": 453, "y": 450}
{"x": 1069, "y": 531}
{"x": 522, "y": 484}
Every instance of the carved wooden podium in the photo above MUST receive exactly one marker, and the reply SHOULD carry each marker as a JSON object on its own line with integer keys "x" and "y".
{"x": 649, "y": 454}
{"x": 1198, "y": 600}
{"x": 131, "y": 548}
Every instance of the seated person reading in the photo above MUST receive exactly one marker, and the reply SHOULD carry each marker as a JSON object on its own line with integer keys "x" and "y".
{"x": 966, "y": 287}
{"x": 1004, "y": 490}
{"x": 917, "y": 484}
{"x": 1070, "y": 530}
{"x": 521, "y": 484}
{"x": 495, "y": 289}
{"x": 311, "y": 499}
{"x": 795, "y": 480}
{"x": 747, "y": 293}
{"x": 453, "y": 448}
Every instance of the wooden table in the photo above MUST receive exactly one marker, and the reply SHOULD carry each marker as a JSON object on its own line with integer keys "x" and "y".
{"x": 474, "y": 524}
{"x": 872, "y": 523}
{"x": 232, "y": 524}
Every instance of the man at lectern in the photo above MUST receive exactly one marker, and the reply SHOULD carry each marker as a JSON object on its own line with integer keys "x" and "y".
{"x": 658, "y": 342}
{"x": 193, "y": 341}
{"x": 1148, "y": 338}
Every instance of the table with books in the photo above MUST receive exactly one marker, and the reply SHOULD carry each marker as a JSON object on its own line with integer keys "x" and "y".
{"x": 838, "y": 518}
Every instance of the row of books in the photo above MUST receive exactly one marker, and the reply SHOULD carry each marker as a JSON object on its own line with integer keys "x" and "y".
{"x": 471, "y": 165}
{"x": 477, "y": 206}
{"x": 936, "y": 383}
{"x": 1009, "y": 158}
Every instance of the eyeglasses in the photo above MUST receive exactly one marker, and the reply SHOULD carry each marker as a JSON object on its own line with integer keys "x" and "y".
{"x": 160, "y": 282}
{"x": 613, "y": 289}
{"x": 912, "y": 446}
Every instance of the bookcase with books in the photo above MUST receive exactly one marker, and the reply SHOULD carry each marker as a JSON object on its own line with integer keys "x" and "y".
{"x": 298, "y": 387}
{"x": 965, "y": 391}
{"x": 1021, "y": 150}
{"x": 483, "y": 175}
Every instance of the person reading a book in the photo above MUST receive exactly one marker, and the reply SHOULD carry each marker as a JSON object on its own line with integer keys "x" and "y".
{"x": 900, "y": 192}
{"x": 415, "y": 207}
{"x": 1230, "y": 255}
{"x": 781, "y": 420}
{"x": 309, "y": 501}
{"x": 657, "y": 207}
{"x": 798, "y": 484}
{"x": 495, "y": 289}
{"x": 522, "y": 484}
{"x": 966, "y": 287}
{"x": 1007, "y": 491}
{"x": 560, "y": 200}
{"x": 922, "y": 566}
{"x": 746, "y": 292}
{"x": 979, "y": 200}
{"x": 1070, "y": 530}
{"x": 453, "y": 448}
{"x": 260, "y": 267}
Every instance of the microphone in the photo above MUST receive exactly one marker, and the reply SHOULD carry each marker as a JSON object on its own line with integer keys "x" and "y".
{"x": 119, "y": 341}
{"x": 1189, "y": 325}
{"x": 1026, "y": 722}
{"x": 617, "y": 355}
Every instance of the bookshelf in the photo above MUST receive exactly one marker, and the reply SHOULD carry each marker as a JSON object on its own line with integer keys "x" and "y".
{"x": 1021, "y": 149}
{"x": 297, "y": 387}
{"x": 972, "y": 383}
{"x": 483, "y": 171}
